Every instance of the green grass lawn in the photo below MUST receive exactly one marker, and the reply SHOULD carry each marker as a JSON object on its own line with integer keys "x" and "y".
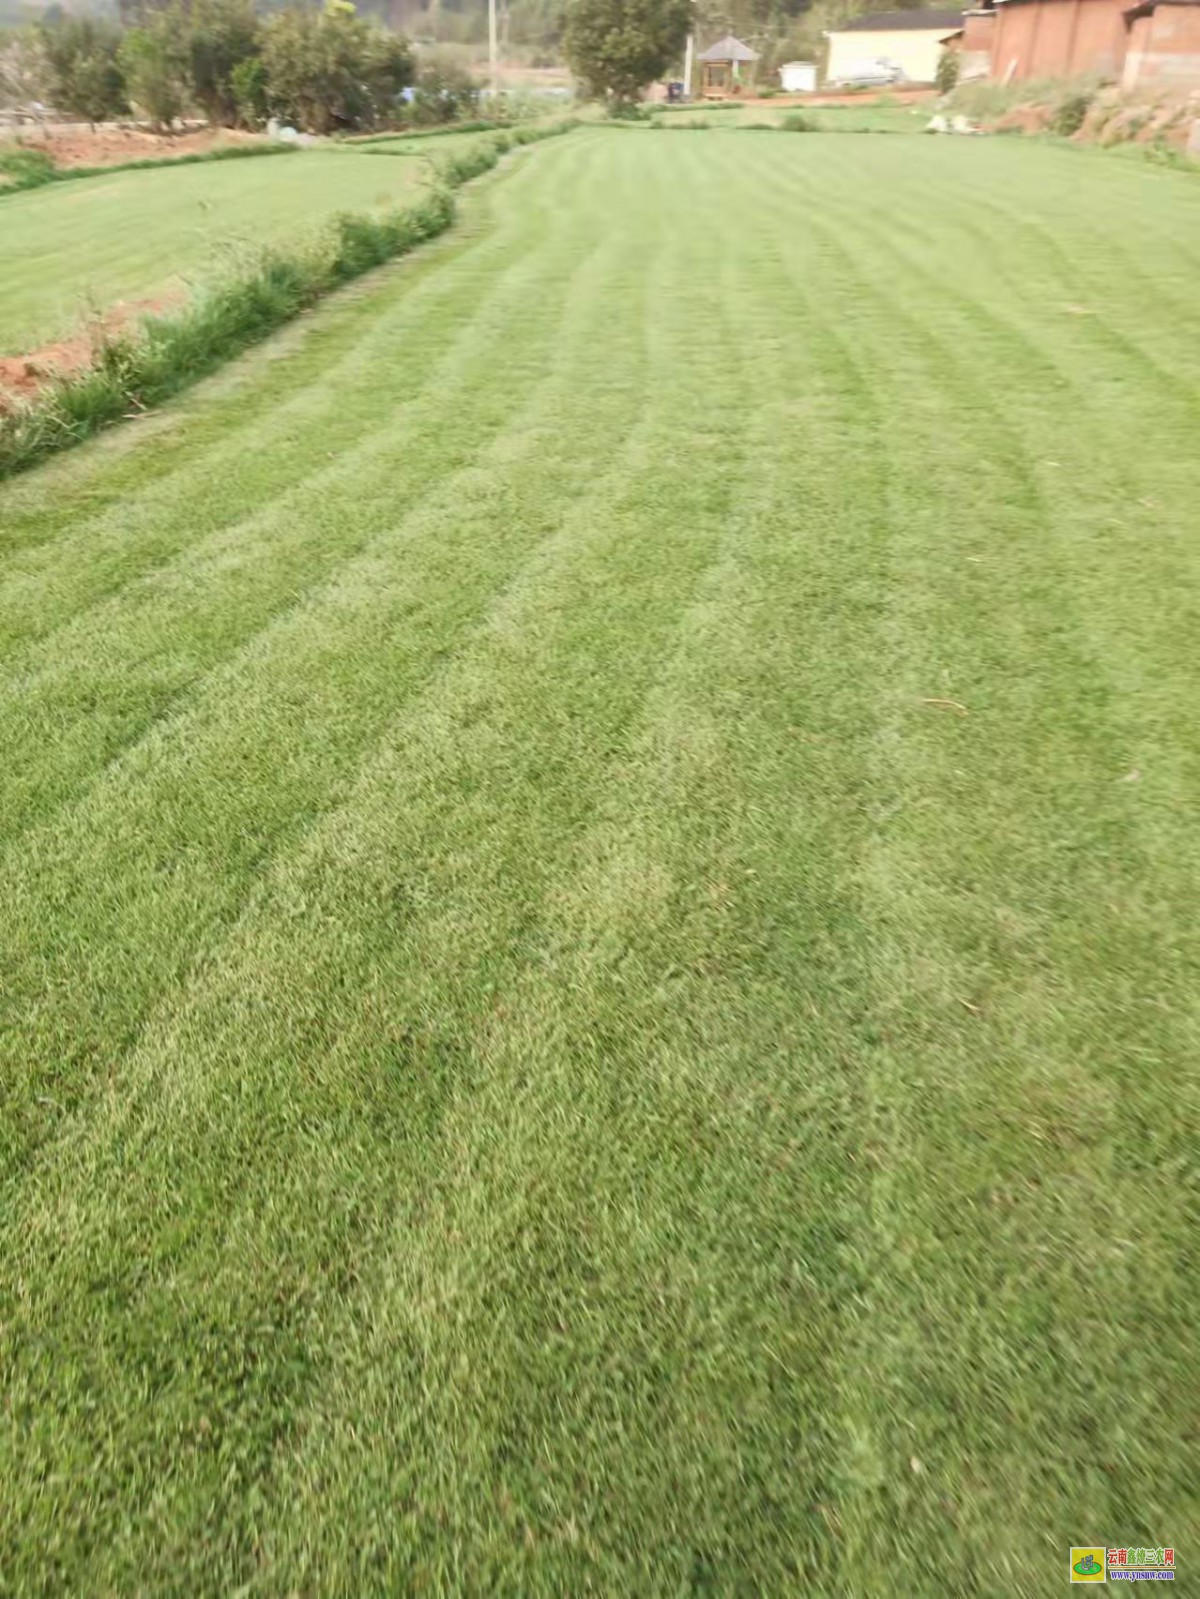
{"x": 74, "y": 246}
{"x": 432, "y": 143}
{"x": 599, "y": 877}
{"x": 870, "y": 117}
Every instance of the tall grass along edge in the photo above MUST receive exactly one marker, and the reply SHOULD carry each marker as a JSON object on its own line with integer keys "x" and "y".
{"x": 136, "y": 370}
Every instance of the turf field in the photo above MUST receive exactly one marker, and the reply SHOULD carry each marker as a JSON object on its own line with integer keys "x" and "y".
{"x": 600, "y": 874}
{"x": 130, "y": 235}
{"x": 871, "y": 117}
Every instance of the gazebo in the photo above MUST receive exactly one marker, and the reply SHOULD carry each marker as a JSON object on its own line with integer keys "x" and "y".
{"x": 721, "y": 67}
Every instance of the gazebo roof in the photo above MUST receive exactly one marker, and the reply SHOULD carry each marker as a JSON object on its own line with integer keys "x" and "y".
{"x": 728, "y": 49}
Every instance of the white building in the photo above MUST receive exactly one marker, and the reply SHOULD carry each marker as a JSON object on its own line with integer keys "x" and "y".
{"x": 911, "y": 41}
{"x": 798, "y": 77}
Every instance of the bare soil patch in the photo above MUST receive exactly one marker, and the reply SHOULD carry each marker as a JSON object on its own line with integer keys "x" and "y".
{"x": 76, "y": 145}
{"x": 885, "y": 97}
{"x": 23, "y": 376}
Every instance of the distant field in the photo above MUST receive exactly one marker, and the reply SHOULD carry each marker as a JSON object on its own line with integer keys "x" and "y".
{"x": 419, "y": 147}
{"x": 130, "y": 235}
{"x": 865, "y": 118}
{"x": 598, "y": 903}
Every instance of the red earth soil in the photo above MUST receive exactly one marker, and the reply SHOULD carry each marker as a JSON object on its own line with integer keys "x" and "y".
{"x": 73, "y": 144}
{"x": 23, "y": 376}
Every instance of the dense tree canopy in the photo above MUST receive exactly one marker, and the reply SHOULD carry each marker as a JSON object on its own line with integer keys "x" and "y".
{"x": 83, "y": 69}
{"x": 154, "y": 63}
{"x": 321, "y": 70}
{"x": 221, "y": 34}
{"x": 616, "y": 47}
{"x": 330, "y": 69}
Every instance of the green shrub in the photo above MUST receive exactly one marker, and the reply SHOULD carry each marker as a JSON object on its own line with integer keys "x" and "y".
{"x": 409, "y": 136}
{"x": 363, "y": 242}
{"x": 797, "y": 122}
{"x": 468, "y": 164}
{"x": 248, "y": 87}
{"x": 1068, "y": 114}
{"x": 446, "y": 92}
{"x": 948, "y": 69}
{"x": 677, "y": 108}
{"x": 22, "y": 168}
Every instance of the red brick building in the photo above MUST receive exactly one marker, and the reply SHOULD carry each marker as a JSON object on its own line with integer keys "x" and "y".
{"x": 1155, "y": 44}
{"x": 1163, "y": 47}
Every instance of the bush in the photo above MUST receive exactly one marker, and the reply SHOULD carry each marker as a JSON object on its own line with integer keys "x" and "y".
{"x": 797, "y": 122}
{"x": 248, "y": 90}
{"x": 948, "y": 69}
{"x": 25, "y": 169}
{"x": 1067, "y": 116}
{"x": 155, "y": 67}
{"x": 445, "y": 92}
{"x": 84, "y": 76}
{"x": 222, "y": 39}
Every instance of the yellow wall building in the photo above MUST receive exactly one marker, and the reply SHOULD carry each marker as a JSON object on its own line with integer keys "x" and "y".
{"x": 913, "y": 40}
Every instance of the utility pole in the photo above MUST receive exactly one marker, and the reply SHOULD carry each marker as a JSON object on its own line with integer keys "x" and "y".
{"x": 687, "y": 66}
{"x": 493, "y": 69}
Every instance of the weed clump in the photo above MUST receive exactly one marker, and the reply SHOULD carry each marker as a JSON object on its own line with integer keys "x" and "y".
{"x": 1067, "y": 116}
{"x": 23, "y": 168}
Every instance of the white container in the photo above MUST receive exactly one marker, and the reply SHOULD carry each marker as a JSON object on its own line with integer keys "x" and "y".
{"x": 798, "y": 77}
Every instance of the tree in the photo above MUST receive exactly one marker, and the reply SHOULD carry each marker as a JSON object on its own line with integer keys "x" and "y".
{"x": 248, "y": 84}
{"x": 154, "y": 61}
{"x": 83, "y": 72}
{"x": 22, "y": 68}
{"x": 616, "y": 47}
{"x": 388, "y": 67}
{"x": 221, "y": 36}
{"x": 947, "y": 71}
{"x": 330, "y": 69}
{"x": 446, "y": 91}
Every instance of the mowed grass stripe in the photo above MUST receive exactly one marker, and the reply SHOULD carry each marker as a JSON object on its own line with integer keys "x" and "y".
{"x": 276, "y": 452}
{"x": 1084, "y": 477}
{"x": 592, "y": 683}
{"x": 177, "y": 623}
{"x": 1039, "y": 312}
{"x": 674, "y": 1109}
{"x": 673, "y": 934}
{"x": 707, "y": 497}
{"x": 340, "y": 647}
{"x": 76, "y": 553}
{"x": 1022, "y": 655}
